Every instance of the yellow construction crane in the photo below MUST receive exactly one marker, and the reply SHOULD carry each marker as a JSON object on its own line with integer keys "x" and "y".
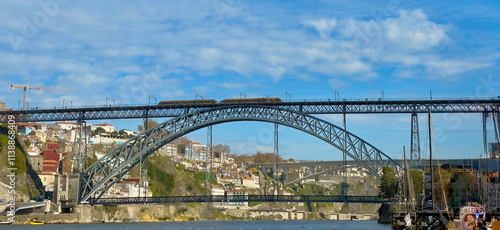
{"x": 26, "y": 87}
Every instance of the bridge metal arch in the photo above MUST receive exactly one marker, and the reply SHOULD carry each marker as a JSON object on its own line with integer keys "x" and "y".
{"x": 101, "y": 175}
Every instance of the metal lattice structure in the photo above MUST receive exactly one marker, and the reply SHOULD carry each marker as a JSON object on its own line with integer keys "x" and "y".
{"x": 415, "y": 157}
{"x": 309, "y": 107}
{"x": 239, "y": 198}
{"x": 108, "y": 170}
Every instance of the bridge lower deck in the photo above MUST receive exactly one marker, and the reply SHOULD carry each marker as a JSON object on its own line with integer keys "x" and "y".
{"x": 238, "y": 198}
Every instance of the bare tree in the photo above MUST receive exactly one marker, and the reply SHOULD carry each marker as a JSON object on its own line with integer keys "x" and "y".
{"x": 149, "y": 124}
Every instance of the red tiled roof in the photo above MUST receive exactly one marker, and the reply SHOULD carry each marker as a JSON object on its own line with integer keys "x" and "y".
{"x": 49, "y": 168}
{"x": 65, "y": 123}
{"x": 104, "y": 124}
{"x": 50, "y": 155}
{"x": 52, "y": 145}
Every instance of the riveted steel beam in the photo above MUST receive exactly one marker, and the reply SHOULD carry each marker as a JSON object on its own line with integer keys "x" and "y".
{"x": 365, "y": 106}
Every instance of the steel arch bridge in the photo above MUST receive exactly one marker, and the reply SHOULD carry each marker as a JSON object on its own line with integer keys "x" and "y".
{"x": 108, "y": 170}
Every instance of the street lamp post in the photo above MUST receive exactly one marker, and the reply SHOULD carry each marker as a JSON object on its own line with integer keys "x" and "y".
{"x": 70, "y": 101}
{"x": 149, "y": 100}
{"x": 111, "y": 99}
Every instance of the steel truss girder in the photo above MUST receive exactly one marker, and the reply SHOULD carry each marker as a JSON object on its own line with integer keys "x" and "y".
{"x": 308, "y": 107}
{"x": 100, "y": 176}
{"x": 317, "y": 173}
{"x": 238, "y": 198}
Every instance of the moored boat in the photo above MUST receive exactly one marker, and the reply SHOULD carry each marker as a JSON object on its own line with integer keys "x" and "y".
{"x": 35, "y": 221}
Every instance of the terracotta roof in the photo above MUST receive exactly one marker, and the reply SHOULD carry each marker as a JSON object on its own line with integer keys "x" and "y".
{"x": 65, "y": 123}
{"x": 50, "y": 161}
{"x": 49, "y": 168}
{"x": 104, "y": 124}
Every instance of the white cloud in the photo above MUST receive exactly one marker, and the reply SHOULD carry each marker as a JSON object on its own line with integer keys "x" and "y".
{"x": 323, "y": 26}
{"x": 86, "y": 81}
{"x": 202, "y": 43}
{"x": 445, "y": 68}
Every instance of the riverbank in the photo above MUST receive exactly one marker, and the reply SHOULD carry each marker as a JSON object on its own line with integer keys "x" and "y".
{"x": 179, "y": 212}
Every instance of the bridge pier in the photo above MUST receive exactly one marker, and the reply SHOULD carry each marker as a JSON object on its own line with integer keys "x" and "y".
{"x": 80, "y": 146}
{"x": 492, "y": 149}
{"x": 415, "y": 157}
{"x": 496, "y": 121}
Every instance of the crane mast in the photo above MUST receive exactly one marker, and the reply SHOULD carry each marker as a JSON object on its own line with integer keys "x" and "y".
{"x": 26, "y": 87}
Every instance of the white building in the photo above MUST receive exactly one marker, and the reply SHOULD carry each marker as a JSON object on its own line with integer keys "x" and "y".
{"x": 107, "y": 127}
{"x": 250, "y": 182}
{"x": 200, "y": 152}
{"x": 129, "y": 132}
{"x": 193, "y": 151}
{"x": 131, "y": 187}
{"x": 64, "y": 125}
{"x": 169, "y": 150}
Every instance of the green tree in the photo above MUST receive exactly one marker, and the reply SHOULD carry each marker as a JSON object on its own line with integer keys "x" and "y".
{"x": 418, "y": 179}
{"x": 464, "y": 189}
{"x": 122, "y": 133}
{"x": 388, "y": 183}
{"x": 442, "y": 185}
{"x": 99, "y": 131}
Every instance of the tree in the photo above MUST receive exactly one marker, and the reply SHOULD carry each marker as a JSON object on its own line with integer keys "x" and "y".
{"x": 441, "y": 178}
{"x": 122, "y": 133}
{"x": 464, "y": 189}
{"x": 242, "y": 158}
{"x": 264, "y": 157}
{"x": 388, "y": 183}
{"x": 219, "y": 149}
{"x": 417, "y": 177}
{"x": 99, "y": 131}
{"x": 149, "y": 124}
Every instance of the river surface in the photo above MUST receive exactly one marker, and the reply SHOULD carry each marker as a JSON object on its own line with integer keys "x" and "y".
{"x": 213, "y": 225}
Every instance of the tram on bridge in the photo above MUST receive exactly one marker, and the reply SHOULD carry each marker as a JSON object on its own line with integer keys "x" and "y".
{"x": 228, "y": 101}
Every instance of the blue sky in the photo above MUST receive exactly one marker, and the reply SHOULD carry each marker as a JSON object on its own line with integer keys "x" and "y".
{"x": 136, "y": 52}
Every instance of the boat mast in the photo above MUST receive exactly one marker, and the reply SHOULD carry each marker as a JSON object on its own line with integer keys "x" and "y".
{"x": 405, "y": 181}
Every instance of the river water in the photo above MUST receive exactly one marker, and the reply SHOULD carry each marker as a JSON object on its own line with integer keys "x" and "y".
{"x": 213, "y": 225}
